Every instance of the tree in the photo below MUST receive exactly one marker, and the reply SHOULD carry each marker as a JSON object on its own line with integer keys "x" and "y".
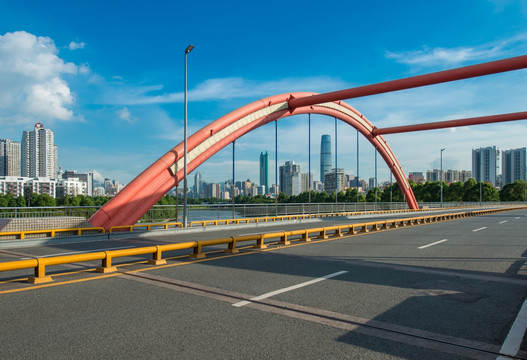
{"x": 489, "y": 193}
{"x": 431, "y": 192}
{"x": 471, "y": 190}
{"x": 396, "y": 193}
{"x": 20, "y": 201}
{"x": 454, "y": 192}
{"x": 370, "y": 196}
{"x": 320, "y": 197}
{"x": 514, "y": 192}
{"x": 283, "y": 198}
{"x": 42, "y": 200}
{"x": 87, "y": 201}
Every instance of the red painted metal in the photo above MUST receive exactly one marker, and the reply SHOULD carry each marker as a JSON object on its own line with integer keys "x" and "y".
{"x": 466, "y": 72}
{"x": 452, "y": 123}
{"x": 143, "y": 192}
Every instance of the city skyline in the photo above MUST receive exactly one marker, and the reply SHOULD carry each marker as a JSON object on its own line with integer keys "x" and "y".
{"x": 39, "y": 150}
{"x": 114, "y": 93}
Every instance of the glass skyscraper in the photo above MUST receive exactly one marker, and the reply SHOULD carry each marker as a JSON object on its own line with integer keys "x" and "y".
{"x": 264, "y": 170}
{"x": 325, "y": 156}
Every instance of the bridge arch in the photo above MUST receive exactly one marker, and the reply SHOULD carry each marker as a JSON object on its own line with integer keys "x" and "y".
{"x": 130, "y": 204}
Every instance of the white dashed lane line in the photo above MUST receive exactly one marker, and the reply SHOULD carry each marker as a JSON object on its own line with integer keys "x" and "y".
{"x": 432, "y": 244}
{"x": 483, "y": 228}
{"x": 294, "y": 287}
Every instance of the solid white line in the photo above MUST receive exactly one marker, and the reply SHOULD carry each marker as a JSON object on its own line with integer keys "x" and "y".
{"x": 503, "y": 222}
{"x": 294, "y": 287}
{"x": 78, "y": 252}
{"x": 432, "y": 244}
{"x": 483, "y": 228}
{"x": 517, "y": 218}
{"x": 513, "y": 341}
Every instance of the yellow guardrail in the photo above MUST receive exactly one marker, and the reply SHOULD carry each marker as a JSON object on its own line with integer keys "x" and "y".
{"x": 51, "y": 232}
{"x": 39, "y": 264}
{"x": 147, "y": 227}
{"x": 165, "y": 226}
{"x": 293, "y": 217}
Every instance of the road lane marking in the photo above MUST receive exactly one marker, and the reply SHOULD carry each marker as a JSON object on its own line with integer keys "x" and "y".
{"x": 517, "y": 218}
{"x": 503, "y": 222}
{"x": 77, "y": 252}
{"x": 482, "y": 228}
{"x": 432, "y": 244}
{"x": 513, "y": 341}
{"x": 294, "y": 287}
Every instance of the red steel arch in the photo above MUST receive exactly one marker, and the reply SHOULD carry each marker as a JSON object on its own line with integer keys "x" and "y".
{"x": 145, "y": 190}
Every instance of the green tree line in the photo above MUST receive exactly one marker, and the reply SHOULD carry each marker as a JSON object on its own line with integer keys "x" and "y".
{"x": 468, "y": 191}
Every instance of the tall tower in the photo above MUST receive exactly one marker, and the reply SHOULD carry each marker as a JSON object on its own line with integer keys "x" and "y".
{"x": 198, "y": 185}
{"x": 9, "y": 158}
{"x": 38, "y": 153}
{"x": 484, "y": 164}
{"x": 513, "y": 165}
{"x": 325, "y": 156}
{"x": 264, "y": 170}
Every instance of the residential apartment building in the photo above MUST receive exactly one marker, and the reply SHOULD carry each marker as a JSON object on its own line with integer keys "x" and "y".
{"x": 513, "y": 165}
{"x": 335, "y": 181}
{"x": 290, "y": 178}
{"x": 9, "y": 158}
{"x": 38, "y": 153}
{"x": 484, "y": 161}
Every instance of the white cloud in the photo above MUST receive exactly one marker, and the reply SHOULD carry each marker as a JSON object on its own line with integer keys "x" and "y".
{"x": 221, "y": 89}
{"x": 126, "y": 115}
{"x": 32, "y": 87}
{"x": 439, "y": 56}
{"x": 442, "y": 56}
{"x": 76, "y": 45}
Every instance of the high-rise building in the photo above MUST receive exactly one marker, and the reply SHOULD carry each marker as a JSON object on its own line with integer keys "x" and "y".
{"x": 513, "y": 163}
{"x": 39, "y": 153}
{"x": 198, "y": 185}
{"x": 335, "y": 180}
{"x": 86, "y": 177}
{"x": 9, "y": 158}
{"x": 306, "y": 182}
{"x": 325, "y": 156}
{"x": 264, "y": 169}
{"x": 290, "y": 178}
{"x": 435, "y": 175}
{"x": 484, "y": 164}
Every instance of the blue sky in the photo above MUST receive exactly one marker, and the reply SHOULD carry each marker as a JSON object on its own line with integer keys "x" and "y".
{"x": 107, "y": 77}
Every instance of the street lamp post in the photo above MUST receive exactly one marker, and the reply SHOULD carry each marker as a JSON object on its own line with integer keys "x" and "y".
{"x": 187, "y": 50}
{"x": 441, "y": 176}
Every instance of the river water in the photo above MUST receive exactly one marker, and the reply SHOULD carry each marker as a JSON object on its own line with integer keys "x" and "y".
{"x": 203, "y": 214}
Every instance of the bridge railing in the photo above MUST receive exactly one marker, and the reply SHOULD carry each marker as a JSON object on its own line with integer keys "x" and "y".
{"x": 261, "y": 241}
{"x": 76, "y": 216}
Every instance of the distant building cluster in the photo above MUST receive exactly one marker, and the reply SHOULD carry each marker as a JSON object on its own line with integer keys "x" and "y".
{"x": 31, "y": 167}
{"x": 485, "y": 164}
{"x": 291, "y": 181}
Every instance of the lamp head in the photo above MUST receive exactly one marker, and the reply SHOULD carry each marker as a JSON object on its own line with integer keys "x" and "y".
{"x": 189, "y": 49}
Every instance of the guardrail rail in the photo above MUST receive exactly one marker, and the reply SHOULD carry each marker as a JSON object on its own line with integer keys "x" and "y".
{"x": 304, "y": 235}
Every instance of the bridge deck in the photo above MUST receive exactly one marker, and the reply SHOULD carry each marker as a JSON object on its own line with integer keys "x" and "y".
{"x": 448, "y": 290}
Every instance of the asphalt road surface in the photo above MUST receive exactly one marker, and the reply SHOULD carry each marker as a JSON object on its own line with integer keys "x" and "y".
{"x": 449, "y": 290}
